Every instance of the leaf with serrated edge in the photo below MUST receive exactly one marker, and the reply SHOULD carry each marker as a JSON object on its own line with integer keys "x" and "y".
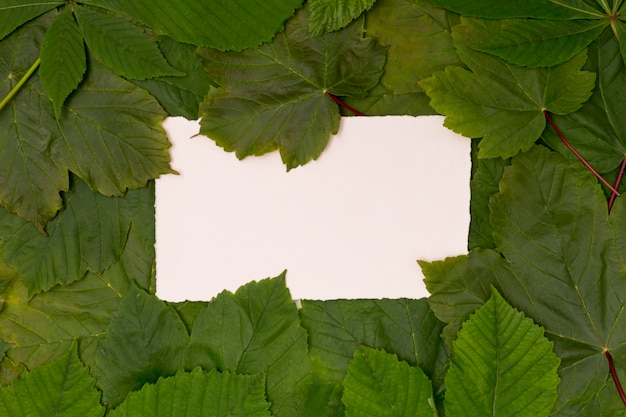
{"x": 122, "y": 46}
{"x": 331, "y": 15}
{"x": 502, "y": 365}
{"x": 539, "y": 9}
{"x": 63, "y": 59}
{"x": 14, "y": 13}
{"x": 283, "y": 87}
{"x": 379, "y": 385}
{"x": 215, "y": 24}
{"x": 502, "y": 103}
{"x": 61, "y": 388}
{"x": 198, "y": 394}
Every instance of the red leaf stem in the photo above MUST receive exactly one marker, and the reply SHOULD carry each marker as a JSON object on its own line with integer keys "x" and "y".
{"x": 618, "y": 181}
{"x": 344, "y": 105}
{"x": 578, "y": 155}
{"x": 609, "y": 358}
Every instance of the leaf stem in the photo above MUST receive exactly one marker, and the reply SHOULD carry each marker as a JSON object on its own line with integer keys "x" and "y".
{"x": 578, "y": 155}
{"x": 344, "y": 105}
{"x": 609, "y": 358}
{"x": 618, "y": 181}
{"x": 20, "y": 83}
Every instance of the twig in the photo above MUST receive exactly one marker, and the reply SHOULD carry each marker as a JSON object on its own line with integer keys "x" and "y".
{"x": 20, "y": 84}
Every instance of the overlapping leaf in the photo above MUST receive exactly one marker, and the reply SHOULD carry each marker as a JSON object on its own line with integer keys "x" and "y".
{"x": 331, "y": 15}
{"x": 561, "y": 266}
{"x": 198, "y": 394}
{"x": 500, "y": 102}
{"x": 502, "y": 366}
{"x": 379, "y": 385}
{"x": 283, "y": 87}
{"x": 14, "y": 13}
{"x": 63, "y": 388}
{"x": 36, "y": 150}
{"x": 215, "y": 24}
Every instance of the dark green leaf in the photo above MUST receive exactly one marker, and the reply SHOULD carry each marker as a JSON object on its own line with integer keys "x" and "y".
{"x": 63, "y": 59}
{"x": 502, "y": 366}
{"x": 122, "y": 46}
{"x": 502, "y": 103}
{"x": 63, "y": 388}
{"x": 182, "y": 95}
{"x": 331, "y": 15}
{"x": 379, "y": 385}
{"x": 257, "y": 329}
{"x": 14, "y": 13}
{"x": 216, "y": 24}
{"x": 198, "y": 394}
{"x": 145, "y": 340}
{"x": 539, "y": 9}
{"x": 283, "y": 87}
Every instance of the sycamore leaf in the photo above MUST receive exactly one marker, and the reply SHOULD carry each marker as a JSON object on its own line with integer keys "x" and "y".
{"x": 63, "y": 388}
{"x": 538, "y": 9}
{"x": 283, "y": 87}
{"x": 211, "y": 23}
{"x": 560, "y": 263}
{"x": 502, "y": 103}
{"x": 198, "y": 394}
{"x": 41, "y": 328}
{"x": 63, "y": 59}
{"x": 502, "y": 365}
{"x": 122, "y": 46}
{"x": 89, "y": 235}
{"x": 14, "y": 13}
{"x": 379, "y": 385}
{"x": 255, "y": 330}
{"x": 145, "y": 340}
{"x": 180, "y": 95}
{"x": 597, "y": 130}
{"x": 331, "y": 15}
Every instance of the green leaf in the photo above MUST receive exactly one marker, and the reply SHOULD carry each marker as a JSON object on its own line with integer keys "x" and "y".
{"x": 41, "y": 329}
{"x": 597, "y": 130}
{"x": 378, "y": 384}
{"x": 198, "y": 394}
{"x": 332, "y": 15}
{"x": 255, "y": 330}
{"x": 63, "y": 59}
{"x": 539, "y": 9}
{"x": 419, "y": 41}
{"x": 14, "y": 13}
{"x": 502, "y": 103}
{"x": 502, "y": 365}
{"x": 89, "y": 235}
{"x": 122, "y": 46}
{"x": 215, "y": 24}
{"x": 283, "y": 87}
{"x": 541, "y": 43}
{"x": 145, "y": 340}
{"x": 63, "y": 388}
{"x": 182, "y": 95}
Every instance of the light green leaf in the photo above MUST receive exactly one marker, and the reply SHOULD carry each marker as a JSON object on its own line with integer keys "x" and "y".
{"x": 182, "y": 95}
{"x": 14, "y": 13}
{"x": 283, "y": 87}
{"x": 502, "y": 103}
{"x": 597, "y": 130}
{"x": 257, "y": 329}
{"x": 211, "y": 23}
{"x": 63, "y": 388}
{"x": 378, "y": 385}
{"x": 89, "y": 235}
{"x": 332, "y": 15}
{"x": 122, "y": 46}
{"x": 63, "y": 59}
{"x": 419, "y": 41}
{"x": 541, "y": 43}
{"x": 145, "y": 340}
{"x": 502, "y": 365}
{"x": 198, "y": 394}
{"x": 539, "y": 9}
